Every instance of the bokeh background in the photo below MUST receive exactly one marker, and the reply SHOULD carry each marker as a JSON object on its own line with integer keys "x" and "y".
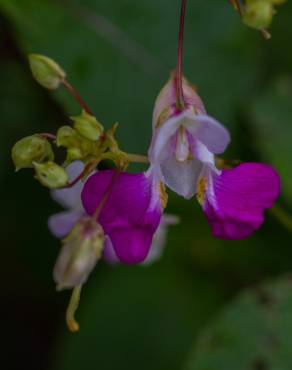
{"x": 207, "y": 304}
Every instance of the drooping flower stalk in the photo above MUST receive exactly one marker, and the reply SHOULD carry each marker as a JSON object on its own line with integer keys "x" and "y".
{"x": 74, "y": 93}
{"x": 179, "y": 75}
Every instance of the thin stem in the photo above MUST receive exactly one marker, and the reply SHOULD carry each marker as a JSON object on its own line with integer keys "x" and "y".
{"x": 137, "y": 158}
{"x": 237, "y": 6}
{"x": 72, "y": 308}
{"x": 80, "y": 176}
{"x": 179, "y": 77}
{"x": 48, "y": 136}
{"x": 77, "y": 97}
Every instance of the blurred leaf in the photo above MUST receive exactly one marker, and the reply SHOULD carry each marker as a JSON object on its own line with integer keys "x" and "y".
{"x": 272, "y": 120}
{"x": 138, "y": 318}
{"x": 253, "y": 332}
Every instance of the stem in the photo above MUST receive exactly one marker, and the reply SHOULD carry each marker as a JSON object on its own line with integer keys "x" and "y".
{"x": 282, "y": 216}
{"x": 237, "y": 6}
{"x": 48, "y": 136}
{"x": 79, "y": 177}
{"x": 137, "y": 158}
{"x": 179, "y": 77}
{"x": 72, "y": 308}
{"x": 77, "y": 97}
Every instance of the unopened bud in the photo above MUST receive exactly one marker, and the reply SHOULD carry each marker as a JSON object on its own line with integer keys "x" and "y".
{"x": 78, "y": 147}
{"x": 81, "y": 250}
{"x": 88, "y": 126}
{"x": 258, "y": 14}
{"x": 31, "y": 149}
{"x": 51, "y": 175}
{"x": 46, "y": 71}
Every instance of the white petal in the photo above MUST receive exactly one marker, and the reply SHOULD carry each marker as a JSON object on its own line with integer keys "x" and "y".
{"x": 209, "y": 131}
{"x": 181, "y": 177}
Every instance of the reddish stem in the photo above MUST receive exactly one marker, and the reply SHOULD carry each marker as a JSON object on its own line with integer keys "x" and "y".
{"x": 179, "y": 77}
{"x": 77, "y": 97}
{"x": 49, "y": 136}
{"x": 79, "y": 177}
{"x": 236, "y": 4}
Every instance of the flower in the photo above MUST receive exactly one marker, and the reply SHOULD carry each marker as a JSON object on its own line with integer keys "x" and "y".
{"x": 183, "y": 151}
{"x": 131, "y": 213}
{"x": 183, "y": 141}
{"x": 60, "y": 224}
{"x": 235, "y": 199}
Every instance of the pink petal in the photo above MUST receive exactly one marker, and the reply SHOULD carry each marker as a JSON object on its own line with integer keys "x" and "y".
{"x": 167, "y": 98}
{"x": 236, "y": 199}
{"x": 131, "y": 213}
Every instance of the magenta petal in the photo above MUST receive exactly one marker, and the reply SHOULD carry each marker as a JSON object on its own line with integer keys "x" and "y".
{"x": 237, "y": 198}
{"x": 130, "y": 215}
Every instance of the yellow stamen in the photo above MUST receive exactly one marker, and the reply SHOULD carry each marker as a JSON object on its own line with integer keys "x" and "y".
{"x": 201, "y": 189}
{"x": 163, "y": 195}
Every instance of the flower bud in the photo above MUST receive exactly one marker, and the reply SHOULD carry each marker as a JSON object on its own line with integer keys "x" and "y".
{"x": 258, "y": 14}
{"x": 78, "y": 147}
{"x": 81, "y": 250}
{"x": 51, "y": 175}
{"x": 31, "y": 149}
{"x": 46, "y": 71}
{"x": 87, "y": 126}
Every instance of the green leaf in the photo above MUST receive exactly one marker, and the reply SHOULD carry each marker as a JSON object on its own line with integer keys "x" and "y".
{"x": 253, "y": 332}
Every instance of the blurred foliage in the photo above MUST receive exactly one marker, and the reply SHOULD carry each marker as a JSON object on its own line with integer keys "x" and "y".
{"x": 272, "y": 118}
{"x": 119, "y": 54}
{"x": 252, "y": 333}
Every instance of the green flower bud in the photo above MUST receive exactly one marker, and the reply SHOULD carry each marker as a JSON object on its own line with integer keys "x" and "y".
{"x": 46, "y": 72}
{"x": 31, "y": 149}
{"x": 51, "y": 175}
{"x": 81, "y": 250}
{"x": 78, "y": 147}
{"x": 87, "y": 126}
{"x": 258, "y": 14}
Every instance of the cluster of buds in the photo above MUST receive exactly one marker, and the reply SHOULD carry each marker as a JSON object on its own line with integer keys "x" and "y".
{"x": 257, "y": 14}
{"x": 85, "y": 140}
{"x": 119, "y": 216}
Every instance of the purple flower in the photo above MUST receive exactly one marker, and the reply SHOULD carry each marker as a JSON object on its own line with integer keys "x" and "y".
{"x": 131, "y": 213}
{"x": 183, "y": 151}
{"x": 184, "y": 141}
{"x": 234, "y": 200}
{"x": 60, "y": 224}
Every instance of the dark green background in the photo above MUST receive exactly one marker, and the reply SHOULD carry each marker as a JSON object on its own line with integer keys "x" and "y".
{"x": 119, "y": 54}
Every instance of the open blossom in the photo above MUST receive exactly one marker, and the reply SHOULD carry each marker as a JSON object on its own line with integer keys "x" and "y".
{"x": 60, "y": 224}
{"x": 131, "y": 213}
{"x": 183, "y": 141}
{"x": 183, "y": 150}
